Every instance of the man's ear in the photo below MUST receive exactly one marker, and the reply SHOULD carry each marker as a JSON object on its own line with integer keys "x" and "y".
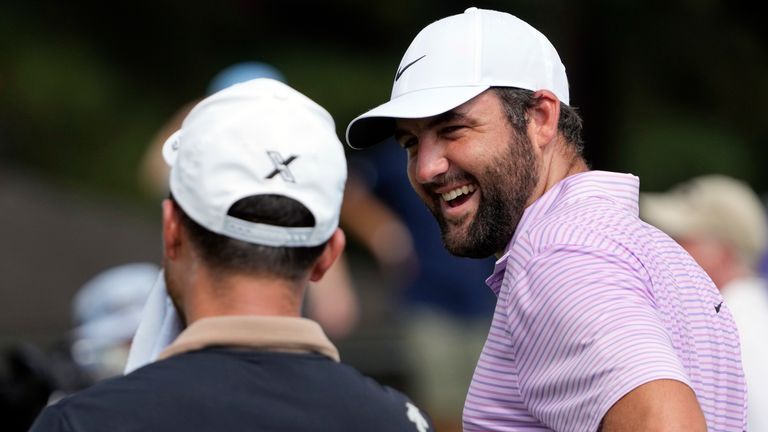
{"x": 544, "y": 116}
{"x": 333, "y": 249}
{"x": 171, "y": 230}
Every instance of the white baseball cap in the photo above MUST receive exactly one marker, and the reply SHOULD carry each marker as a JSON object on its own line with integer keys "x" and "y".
{"x": 715, "y": 206}
{"x": 255, "y": 138}
{"x": 457, "y": 58}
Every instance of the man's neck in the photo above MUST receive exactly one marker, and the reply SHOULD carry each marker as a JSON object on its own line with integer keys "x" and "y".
{"x": 212, "y": 294}
{"x": 562, "y": 162}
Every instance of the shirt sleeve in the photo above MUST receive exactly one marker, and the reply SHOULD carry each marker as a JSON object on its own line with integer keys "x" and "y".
{"x": 585, "y": 332}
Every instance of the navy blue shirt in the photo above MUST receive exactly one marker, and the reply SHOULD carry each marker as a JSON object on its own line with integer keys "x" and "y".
{"x": 229, "y": 389}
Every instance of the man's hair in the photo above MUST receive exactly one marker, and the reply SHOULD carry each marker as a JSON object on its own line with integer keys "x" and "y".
{"x": 517, "y": 102}
{"x": 225, "y": 254}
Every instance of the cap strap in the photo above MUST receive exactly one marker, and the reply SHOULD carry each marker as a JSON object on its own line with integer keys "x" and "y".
{"x": 268, "y": 235}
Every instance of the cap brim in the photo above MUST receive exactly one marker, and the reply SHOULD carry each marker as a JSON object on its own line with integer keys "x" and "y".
{"x": 377, "y": 124}
{"x": 666, "y": 212}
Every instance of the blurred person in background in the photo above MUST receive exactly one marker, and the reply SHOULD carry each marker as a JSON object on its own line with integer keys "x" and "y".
{"x": 721, "y": 222}
{"x": 256, "y": 184}
{"x": 153, "y": 171}
{"x": 444, "y": 306}
{"x": 106, "y": 312}
{"x": 332, "y": 301}
{"x": 602, "y": 321}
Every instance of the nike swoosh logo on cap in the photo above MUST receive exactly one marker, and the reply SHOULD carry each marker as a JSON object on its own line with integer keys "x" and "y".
{"x": 400, "y": 72}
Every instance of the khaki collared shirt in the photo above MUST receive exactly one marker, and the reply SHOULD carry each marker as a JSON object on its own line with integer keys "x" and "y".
{"x": 269, "y": 333}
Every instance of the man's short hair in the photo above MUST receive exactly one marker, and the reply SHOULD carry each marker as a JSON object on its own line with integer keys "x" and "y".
{"x": 517, "y": 102}
{"x": 225, "y": 254}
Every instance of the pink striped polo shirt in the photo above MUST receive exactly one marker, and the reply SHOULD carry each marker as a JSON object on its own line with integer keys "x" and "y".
{"x": 593, "y": 302}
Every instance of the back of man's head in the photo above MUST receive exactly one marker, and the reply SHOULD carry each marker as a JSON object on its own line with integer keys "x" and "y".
{"x": 257, "y": 178}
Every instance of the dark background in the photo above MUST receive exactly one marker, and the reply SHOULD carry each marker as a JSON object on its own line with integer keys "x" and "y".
{"x": 668, "y": 90}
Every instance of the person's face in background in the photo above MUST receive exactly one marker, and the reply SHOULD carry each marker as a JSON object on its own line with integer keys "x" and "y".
{"x": 711, "y": 254}
{"x": 473, "y": 171}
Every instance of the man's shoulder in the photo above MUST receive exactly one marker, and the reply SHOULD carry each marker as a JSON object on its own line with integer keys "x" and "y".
{"x": 596, "y": 225}
{"x": 364, "y": 404}
{"x": 101, "y": 405}
{"x": 116, "y": 399}
{"x": 245, "y": 384}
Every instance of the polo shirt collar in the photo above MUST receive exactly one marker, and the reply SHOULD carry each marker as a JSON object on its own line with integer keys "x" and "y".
{"x": 623, "y": 189}
{"x": 269, "y": 333}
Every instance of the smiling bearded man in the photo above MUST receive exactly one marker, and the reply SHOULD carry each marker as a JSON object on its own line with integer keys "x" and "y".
{"x": 502, "y": 186}
{"x": 602, "y": 321}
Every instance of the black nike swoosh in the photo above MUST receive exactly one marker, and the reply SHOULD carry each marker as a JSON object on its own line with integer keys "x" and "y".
{"x": 400, "y": 72}
{"x": 717, "y": 308}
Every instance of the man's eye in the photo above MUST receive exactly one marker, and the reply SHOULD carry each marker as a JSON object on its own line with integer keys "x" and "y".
{"x": 451, "y": 129}
{"x": 407, "y": 142}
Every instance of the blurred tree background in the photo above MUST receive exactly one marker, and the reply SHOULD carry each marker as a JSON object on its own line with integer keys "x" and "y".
{"x": 668, "y": 90}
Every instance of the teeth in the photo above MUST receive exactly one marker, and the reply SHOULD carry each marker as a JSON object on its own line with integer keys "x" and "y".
{"x": 453, "y": 194}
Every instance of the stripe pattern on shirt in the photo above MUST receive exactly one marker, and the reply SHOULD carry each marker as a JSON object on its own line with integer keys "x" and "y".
{"x": 592, "y": 303}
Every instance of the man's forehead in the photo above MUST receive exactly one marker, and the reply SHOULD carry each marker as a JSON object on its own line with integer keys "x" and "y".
{"x": 427, "y": 122}
{"x": 467, "y": 111}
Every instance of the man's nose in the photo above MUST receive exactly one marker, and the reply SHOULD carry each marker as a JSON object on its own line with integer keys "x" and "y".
{"x": 430, "y": 161}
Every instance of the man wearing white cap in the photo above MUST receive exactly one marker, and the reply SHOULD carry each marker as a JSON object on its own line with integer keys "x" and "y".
{"x": 257, "y": 179}
{"x": 602, "y": 321}
{"x": 721, "y": 222}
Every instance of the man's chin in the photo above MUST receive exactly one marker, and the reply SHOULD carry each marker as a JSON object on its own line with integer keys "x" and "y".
{"x": 456, "y": 235}
{"x": 456, "y": 241}
{"x": 469, "y": 242}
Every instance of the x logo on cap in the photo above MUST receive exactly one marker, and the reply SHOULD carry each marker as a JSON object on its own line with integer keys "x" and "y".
{"x": 281, "y": 166}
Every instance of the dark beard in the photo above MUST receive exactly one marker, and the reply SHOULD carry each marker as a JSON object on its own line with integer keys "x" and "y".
{"x": 505, "y": 189}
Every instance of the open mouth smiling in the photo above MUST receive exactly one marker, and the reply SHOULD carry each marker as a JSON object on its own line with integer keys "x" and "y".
{"x": 458, "y": 196}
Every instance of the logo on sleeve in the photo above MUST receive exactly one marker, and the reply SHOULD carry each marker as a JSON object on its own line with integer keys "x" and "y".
{"x": 416, "y": 417}
{"x": 717, "y": 308}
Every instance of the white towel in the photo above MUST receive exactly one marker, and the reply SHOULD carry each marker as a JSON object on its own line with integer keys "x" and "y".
{"x": 159, "y": 326}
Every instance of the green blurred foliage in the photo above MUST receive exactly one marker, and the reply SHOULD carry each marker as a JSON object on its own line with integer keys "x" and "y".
{"x": 667, "y": 89}
{"x": 692, "y": 84}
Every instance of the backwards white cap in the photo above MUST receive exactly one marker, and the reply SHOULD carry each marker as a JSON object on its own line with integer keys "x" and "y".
{"x": 457, "y": 58}
{"x": 254, "y": 138}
